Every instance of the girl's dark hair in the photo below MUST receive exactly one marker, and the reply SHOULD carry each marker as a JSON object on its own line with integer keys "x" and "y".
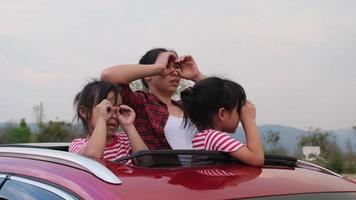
{"x": 91, "y": 95}
{"x": 150, "y": 57}
{"x": 202, "y": 101}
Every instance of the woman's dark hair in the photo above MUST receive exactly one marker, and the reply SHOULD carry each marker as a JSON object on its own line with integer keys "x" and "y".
{"x": 91, "y": 95}
{"x": 202, "y": 101}
{"x": 150, "y": 57}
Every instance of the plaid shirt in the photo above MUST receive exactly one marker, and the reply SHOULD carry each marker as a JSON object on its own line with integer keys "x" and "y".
{"x": 151, "y": 116}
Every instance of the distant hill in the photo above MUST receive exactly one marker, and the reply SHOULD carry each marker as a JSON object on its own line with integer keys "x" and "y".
{"x": 343, "y": 135}
{"x": 289, "y": 136}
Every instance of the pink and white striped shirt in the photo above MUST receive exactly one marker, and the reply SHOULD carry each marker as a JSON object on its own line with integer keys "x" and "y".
{"x": 216, "y": 141}
{"x": 118, "y": 148}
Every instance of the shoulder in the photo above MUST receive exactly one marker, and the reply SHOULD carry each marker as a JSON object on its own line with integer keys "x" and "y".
{"x": 79, "y": 141}
{"x": 212, "y": 133}
{"x": 136, "y": 96}
{"x": 218, "y": 136}
{"x": 77, "y": 144}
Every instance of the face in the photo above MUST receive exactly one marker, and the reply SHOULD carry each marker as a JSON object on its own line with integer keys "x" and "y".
{"x": 166, "y": 83}
{"x": 112, "y": 123}
{"x": 232, "y": 121}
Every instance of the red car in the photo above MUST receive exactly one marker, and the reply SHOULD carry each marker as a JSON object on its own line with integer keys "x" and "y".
{"x": 49, "y": 172}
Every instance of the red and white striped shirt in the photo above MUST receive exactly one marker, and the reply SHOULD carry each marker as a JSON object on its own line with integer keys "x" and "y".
{"x": 216, "y": 141}
{"x": 118, "y": 148}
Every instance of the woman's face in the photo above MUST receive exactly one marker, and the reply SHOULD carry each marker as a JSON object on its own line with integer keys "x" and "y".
{"x": 166, "y": 83}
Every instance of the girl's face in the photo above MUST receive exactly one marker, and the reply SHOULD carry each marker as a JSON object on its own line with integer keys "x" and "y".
{"x": 113, "y": 122}
{"x": 232, "y": 121}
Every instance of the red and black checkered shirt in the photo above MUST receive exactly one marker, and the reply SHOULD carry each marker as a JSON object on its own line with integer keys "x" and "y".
{"x": 151, "y": 116}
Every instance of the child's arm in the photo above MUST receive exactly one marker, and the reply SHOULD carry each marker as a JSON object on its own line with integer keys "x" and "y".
{"x": 126, "y": 117}
{"x": 124, "y": 74}
{"x": 97, "y": 141}
{"x": 252, "y": 153}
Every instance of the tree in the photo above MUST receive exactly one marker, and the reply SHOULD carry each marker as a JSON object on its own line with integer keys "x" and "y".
{"x": 272, "y": 137}
{"x": 136, "y": 85}
{"x": 318, "y": 137}
{"x": 55, "y": 132}
{"x": 183, "y": 85}
{"x": 21, "y": 134}
{"x": 329, "y": 150}
{"x": 5, "y": 132}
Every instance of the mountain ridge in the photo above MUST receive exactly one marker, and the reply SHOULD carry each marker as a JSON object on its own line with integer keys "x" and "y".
{"x": 289, "y": 136}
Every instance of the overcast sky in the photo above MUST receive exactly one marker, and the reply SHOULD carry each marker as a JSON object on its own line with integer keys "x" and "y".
{"x": 296, "y": 59}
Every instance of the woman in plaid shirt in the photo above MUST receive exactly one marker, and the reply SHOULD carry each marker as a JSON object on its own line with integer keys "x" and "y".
{"x": 158, "y": 116}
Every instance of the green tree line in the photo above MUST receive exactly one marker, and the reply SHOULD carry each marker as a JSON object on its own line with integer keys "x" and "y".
{"x": 331, "y": 156}
{"x": 51, "y": 131}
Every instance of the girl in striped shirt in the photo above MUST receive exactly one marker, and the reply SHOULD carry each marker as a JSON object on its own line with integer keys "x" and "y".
{"x": 100, "y": 110}
{"x": 216, "y": 106}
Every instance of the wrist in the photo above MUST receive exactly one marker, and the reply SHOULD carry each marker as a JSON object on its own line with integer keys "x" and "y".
{"x": 198, "y": 77}
{"x": 128, "y": 127}
{"x": 101, "y": 120}
{"x": 158, "y": 68}
{"x": 248, "y": 122}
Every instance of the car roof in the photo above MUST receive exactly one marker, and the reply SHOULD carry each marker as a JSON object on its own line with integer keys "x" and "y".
{"x": 209, "y": 181}
{"x": 281, "y": 175}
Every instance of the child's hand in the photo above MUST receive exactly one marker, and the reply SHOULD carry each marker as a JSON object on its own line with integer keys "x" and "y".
{"x": 248, "y": 112}
{"x": 162, "y": 61}
{"x": 126, "y": 115}
{"x": 188, "y": 68}
{"x": 103, "y": 110}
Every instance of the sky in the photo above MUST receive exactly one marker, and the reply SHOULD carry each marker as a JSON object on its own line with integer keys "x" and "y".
{"x": 295, "y": 59}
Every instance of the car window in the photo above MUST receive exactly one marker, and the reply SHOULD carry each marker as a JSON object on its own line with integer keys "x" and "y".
{"x": 2, "y": 179}
{"x": 21, "y": 188}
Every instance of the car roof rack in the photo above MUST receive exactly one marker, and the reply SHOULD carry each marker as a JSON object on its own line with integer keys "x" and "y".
{"x": 214, "y": 157}
{"x": 61, "y": 157}
{"x": 62, "y": 146}
{"x": 309, "y": 165}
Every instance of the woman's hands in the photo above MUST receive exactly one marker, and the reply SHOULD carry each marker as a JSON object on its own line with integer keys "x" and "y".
{"x": 165, "y": 62}
{"x": 189, "y": 69}
{"x": 185, "y": 66}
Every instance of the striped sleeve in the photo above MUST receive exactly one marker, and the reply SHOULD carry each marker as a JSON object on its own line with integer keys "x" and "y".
{"x": 198, "y": 141}
{"x": 77, "y": 145}
{"x": 220, "y": 141}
